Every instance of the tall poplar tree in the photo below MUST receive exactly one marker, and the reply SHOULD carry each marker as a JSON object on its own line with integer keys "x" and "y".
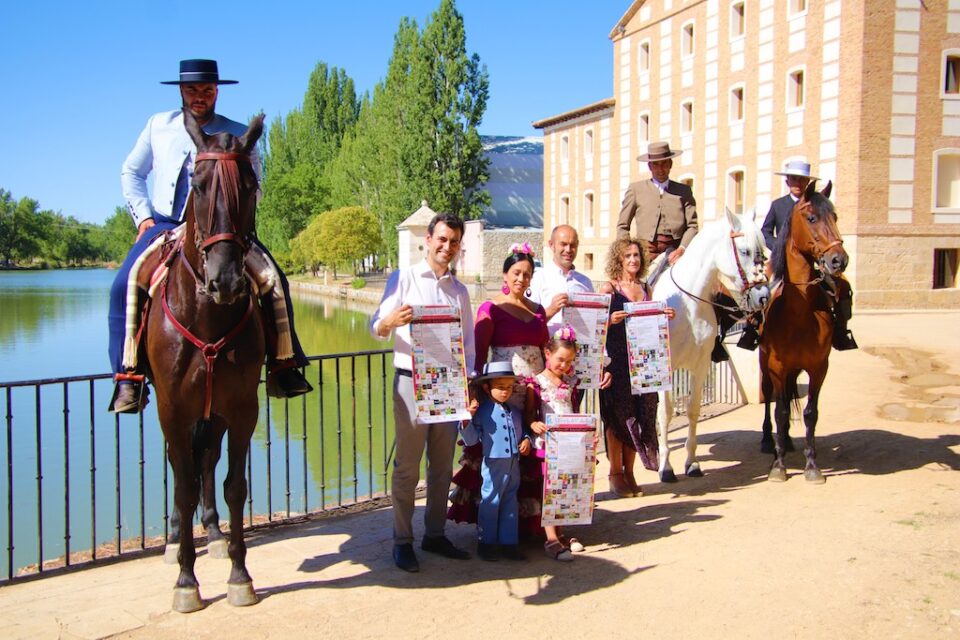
{"x": 296, "y": 151}
{"x": 416, "y": 137}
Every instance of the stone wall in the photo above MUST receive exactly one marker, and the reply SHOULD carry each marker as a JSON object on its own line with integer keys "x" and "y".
{"x": 496, "y": 245}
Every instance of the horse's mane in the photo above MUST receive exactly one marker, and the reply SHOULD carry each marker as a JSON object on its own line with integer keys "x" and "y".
{"x": 778, "y": 258}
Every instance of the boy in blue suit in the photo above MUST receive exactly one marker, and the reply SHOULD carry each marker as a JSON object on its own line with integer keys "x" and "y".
{"x": 500, "y": 428}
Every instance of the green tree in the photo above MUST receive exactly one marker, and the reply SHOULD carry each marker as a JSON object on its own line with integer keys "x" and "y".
{"x": 298, "y": 148}
{"x": 347, "y": 236}
{"x": 119, "y": 234}
{"x": 416, "y": 138}
{"x": 21, "y": 231}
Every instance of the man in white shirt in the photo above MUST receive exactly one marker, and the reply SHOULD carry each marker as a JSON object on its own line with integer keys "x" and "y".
{"x": 427, "y": 282}
{"x": 553, "y": 283}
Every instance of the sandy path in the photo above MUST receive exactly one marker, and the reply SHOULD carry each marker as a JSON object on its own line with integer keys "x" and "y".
{"x": 873, "y": 553}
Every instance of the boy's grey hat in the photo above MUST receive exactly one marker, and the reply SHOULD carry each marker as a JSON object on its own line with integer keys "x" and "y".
{"x": 500, "y": 369}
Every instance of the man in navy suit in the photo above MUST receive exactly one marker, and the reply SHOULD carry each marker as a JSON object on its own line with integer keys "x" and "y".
{"x": 798, "y": 176}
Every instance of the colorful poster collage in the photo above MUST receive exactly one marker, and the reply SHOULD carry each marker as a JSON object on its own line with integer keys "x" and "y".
{"x": 568, "y": 485}
{"x": 648, "y": 346}
{"x": 439, "y": 367}
{"x": 587, "y": 313}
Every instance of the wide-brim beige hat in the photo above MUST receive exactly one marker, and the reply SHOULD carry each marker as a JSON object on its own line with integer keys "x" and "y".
{"x": 658, "y": 151}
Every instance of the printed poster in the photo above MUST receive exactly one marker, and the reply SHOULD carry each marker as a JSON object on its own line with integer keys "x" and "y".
{"x": 439, "y": 366}
{"x": 571, "y": 461}
{"x": 648, "y": 347}
{"x": 588, "y": 313}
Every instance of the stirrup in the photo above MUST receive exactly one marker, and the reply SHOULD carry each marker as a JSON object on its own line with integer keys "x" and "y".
{"x": 749, "y": 339}
{"x": 843, "y": 340}
{"x": 719, "y": 353}
{"x": 284, "y": 380}
{"x": 130, "y": 394}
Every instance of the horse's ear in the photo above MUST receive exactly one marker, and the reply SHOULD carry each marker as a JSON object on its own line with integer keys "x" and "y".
{"x": 196, "y": 133}
{"x": 752, "y": 215}
{"x": 734, "y": 220}
{"x": 253, "y": 133}
{"x": 827, "y": 189}
{"x": 810, "y": 190}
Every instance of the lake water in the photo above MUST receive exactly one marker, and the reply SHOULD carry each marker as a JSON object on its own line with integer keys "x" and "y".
{"x": 78, "y": 470}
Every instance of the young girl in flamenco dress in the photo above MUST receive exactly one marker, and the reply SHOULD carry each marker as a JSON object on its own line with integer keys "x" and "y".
{"x": 551, "y": 391}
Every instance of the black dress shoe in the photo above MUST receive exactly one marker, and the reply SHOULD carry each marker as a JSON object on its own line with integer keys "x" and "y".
{"x": 405, "y": 558}
{"x": 128, "y": 397}
{"x": 719, "y": 353}
{"x": 441, "y": 545}
{"x": 488, "y": 552}
{"x": 287, "y": 383}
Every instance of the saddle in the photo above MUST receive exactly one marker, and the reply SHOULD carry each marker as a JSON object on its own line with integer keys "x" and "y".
{"x": 157, "y": 260}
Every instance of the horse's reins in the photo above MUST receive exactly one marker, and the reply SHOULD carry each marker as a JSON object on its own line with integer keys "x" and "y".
{"x": 227, "y": 179}
{"x": 743, "y": 277}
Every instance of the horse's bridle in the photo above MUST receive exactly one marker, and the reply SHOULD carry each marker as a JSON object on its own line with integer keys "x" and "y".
{"x": 747, "y": 285}
{"x": 226, "y": 178}
{"x": 818, "y": 254}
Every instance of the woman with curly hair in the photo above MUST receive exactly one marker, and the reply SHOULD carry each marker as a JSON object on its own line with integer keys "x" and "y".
{"x": 629, "y": 421}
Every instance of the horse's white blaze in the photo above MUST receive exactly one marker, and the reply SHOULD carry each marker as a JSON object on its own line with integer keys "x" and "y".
{"x": 707, "y": 263}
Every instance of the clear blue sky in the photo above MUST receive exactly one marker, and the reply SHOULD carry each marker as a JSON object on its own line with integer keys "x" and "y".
{"x": 79, "y": 79}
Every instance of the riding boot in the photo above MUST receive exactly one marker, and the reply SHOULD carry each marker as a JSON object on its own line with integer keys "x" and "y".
{"x": 719, "y": 353}
{"x": 284, "y": 380}
{"x": 130, "y": 395}
{"x": 842, "y": 336}
{"x": 749, "y": 338}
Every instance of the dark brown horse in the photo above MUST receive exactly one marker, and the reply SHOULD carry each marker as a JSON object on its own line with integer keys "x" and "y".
{"x": 798, "y": 331}
{"x": 205, "y": 347}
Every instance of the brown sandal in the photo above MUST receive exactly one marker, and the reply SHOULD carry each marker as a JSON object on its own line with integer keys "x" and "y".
{"x": 619, "y": 486}
{"x": 555, "y": 549}
{"x": 632, "y": 483}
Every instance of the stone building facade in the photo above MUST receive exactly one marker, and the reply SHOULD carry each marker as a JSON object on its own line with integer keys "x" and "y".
{"x": 867, "y": 91}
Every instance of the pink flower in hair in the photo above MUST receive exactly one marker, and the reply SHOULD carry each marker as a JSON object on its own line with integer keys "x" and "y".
{"x": 521, "y": 249}
{"x": 565, "y": 332}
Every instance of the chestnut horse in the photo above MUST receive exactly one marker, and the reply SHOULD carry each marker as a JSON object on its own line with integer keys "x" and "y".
{"x": 798, "y": 330}
{"x": 205, "y": 348}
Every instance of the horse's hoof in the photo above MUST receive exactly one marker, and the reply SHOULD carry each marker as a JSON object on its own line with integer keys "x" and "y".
{"x": 693, "y": 471}
{"x": 170, "y": 553}
{"x": 218, "y": 549}
{"x": 767, "y": 446}
{"x": 241, "y": 595}
{"x": 777, "y": 475}
{"x": 667, "y": 475}
{"x": 813, "y": 476}
{"x": 187, "y": 599}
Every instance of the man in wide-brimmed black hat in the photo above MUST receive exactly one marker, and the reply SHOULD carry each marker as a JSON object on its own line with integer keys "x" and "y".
{"x": 165, "y": 149}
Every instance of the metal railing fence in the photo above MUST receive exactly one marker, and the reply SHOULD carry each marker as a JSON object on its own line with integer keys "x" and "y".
{"x": 84, "y": 486}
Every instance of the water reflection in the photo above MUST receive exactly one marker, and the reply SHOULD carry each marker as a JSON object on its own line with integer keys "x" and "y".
{"x": 326, "y": 448}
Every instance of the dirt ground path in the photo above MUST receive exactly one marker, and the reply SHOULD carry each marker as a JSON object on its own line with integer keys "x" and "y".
{"x": 873, "y": 553}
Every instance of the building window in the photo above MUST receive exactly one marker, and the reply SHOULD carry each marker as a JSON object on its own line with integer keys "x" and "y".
{"x": 564, "y": 148}
{"x": 951, "y": 73}
{"x": 588, "y": 209}
{"x": 588, "y": 261}
{"x": 588, "y": 143}
{"x": 643, "y": 56}
{"x": 736, "y": 104}
{"x": 797, "y": 6}
{"x": 735, "y": 195}
{"x": 795, "y": 94}
{"x": 686, "y": 116}
{"x": 643, "y": 128}
{"x": 946, "y": 179}
{"x": 945, "y": 263}
{"x": 686, "y": 41}
{"x": 564, "y": 210}
{"x": 738, "y": 21}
